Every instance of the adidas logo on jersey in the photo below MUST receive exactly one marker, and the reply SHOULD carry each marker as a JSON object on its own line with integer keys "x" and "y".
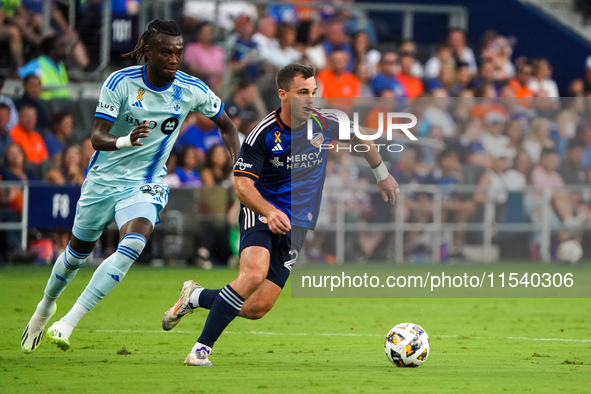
{"x": 137, "y": 104}
{"x": 277, "y": 148}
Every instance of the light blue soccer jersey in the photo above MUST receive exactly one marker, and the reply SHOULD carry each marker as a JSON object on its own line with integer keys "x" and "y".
{"x": 127, "y": 99}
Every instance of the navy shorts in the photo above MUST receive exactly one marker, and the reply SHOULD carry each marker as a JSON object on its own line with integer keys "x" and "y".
{"x": 284, "y": 249}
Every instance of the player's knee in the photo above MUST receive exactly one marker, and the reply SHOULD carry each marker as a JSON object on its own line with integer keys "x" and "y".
{"x": 132, "y": 245}
{"x": 257, "y": 311}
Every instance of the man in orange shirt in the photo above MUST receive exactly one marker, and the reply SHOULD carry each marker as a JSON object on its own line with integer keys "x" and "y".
{"x": 24, "y": 135}
{"x": 336, "y": 81}
{"x": 412, "y": 85}
{"x": 520, "y": 84}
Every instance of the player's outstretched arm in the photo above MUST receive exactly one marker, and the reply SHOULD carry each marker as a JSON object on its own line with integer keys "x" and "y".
{"x": 229, "y": 135}
{"x": 245, "y": 191}
{"x": 102, "y": 140}
{"x": 387, "y": 185}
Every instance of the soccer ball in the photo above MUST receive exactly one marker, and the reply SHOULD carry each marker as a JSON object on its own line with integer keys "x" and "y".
{"x": 407, "y": 345}
{"x": 569, "y": 251}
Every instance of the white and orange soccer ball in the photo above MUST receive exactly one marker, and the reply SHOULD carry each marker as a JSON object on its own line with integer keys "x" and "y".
{"x": 407, "y": 345}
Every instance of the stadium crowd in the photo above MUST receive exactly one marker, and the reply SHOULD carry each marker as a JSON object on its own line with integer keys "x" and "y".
{"x": 499, "y": 119}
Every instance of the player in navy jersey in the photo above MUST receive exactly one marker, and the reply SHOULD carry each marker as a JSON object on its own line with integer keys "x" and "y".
{"x": 279, "y": 182}
{"x": 136, "y": 124}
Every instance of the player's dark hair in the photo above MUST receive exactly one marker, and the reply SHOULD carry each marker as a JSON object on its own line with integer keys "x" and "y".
{"x": 4, "y": 106}
{"x": 548, "y": 151}
{"x": 289, "y": 72}
{"x": 154, "y": 28}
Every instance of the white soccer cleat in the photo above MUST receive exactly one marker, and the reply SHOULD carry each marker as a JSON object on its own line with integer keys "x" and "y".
{"x": 199, "y": 358}
{"x": 33, "y": 333}
{"x": 173, "y": 315}
{"x": 59, "y": 335}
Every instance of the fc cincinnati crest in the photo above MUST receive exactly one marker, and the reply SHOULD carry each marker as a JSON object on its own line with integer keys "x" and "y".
{"x": 176, "y": 107}
{"x": 317, "y": 139}
{"x": 263, "y": 219}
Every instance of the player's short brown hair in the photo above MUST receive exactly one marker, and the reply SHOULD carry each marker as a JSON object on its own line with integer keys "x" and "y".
{"x": 289, "y": 72}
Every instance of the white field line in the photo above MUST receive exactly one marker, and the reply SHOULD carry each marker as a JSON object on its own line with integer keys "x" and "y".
{"x": 336, "y": 334}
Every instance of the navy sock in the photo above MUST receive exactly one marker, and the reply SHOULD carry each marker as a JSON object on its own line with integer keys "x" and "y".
{"x": 225, "y": 308}
{"x": 207, "y": 297}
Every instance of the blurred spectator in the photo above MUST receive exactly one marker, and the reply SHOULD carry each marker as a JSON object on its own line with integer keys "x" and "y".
{"x": 242, "y": 108}
{"x": 386, "y": 78}
{"x": 542, "y": 83}
{"x": 499, "y": 51}
{"x": 201, "y": 135}
{"x": 50, "y": 68}
{"x": 15, "y": 169}
{"x": 266, "y": 39}
{"x": 486, "y": 102}
{"x": 29, "y": 19}
{"x": 446, "y": 80}
{"x": 225, "y": 12}
{"x": 545, "y": 176}
{"x": 283, "y": 52}
{"x": 245, "y": 52}
{"x": 418, "y": 207}
{"x": 486, "y": 76}
{"x": 433, "y": 65}
{"x": 496, "y": 144}
{"x": 336, "y": 81}
{"x": 410, "y": 47}
{"x": 203, "y": 59}
{"x": 217, "y": 169}
{"x": 523, "y": 164}
{"x": 538, "y": 138}
{"x": 456, "y": 39}
{"x": 356, "y": 20}
{"x": 456, "y": 207}
{"x": 499, "y": 179}
{"x": 310, "y": 44}
{"x": 5, "y": 139}
{"x": 571, "y": 169}
{"x": 24, "y": 135}
{"x": 463, "y": 77}
{"x": 520, "y": 84}
{"x": 31, "y": 94}
{"x": 570, "y": 117}
{"x": 62, "y": 125}
{"x": 436, "y": 114}
{"x": 337, "y": 39}
{"x": 361, "y": 71}
{"x": 363, "y": 53}
{"x": 69, "y": 168}
{"x": 10, "y": 33}
{"x": 187, "y": 166}
{"x": 412, "y": 85}
{"x": 8, "y": 101}
{"x": 515, "y": 110}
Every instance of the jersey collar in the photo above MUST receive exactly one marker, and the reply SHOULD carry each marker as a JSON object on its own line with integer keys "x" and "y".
{"x": 149, "y": 85}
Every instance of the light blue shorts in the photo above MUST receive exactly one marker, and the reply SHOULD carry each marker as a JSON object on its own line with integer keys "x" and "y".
{"x": 99, "y": 205}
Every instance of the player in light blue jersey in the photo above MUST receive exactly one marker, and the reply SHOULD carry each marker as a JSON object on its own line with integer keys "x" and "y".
{"x": 279, "y": 184}
{"x": 137, "y": 121}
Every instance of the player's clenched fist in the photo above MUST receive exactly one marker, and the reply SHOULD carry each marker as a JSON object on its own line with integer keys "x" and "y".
{"x": 278, "y": 222}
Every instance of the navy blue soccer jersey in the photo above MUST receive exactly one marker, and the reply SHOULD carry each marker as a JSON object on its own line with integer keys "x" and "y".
{"x": 288, "y": 169}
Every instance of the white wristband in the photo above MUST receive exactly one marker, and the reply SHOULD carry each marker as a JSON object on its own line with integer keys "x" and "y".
{"x": 124, "y": 142}
{"x": 381, "y": 172}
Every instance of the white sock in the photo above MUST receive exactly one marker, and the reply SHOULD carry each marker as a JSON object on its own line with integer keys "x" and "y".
{"x": 45, "y": 307}
{"x": 75, "y": 314}
{"x": 199, "y": 346}
{"x": 194, "y": 297}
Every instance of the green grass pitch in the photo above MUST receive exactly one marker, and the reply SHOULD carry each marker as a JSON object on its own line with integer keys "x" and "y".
{"x": 302, "y": 345}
